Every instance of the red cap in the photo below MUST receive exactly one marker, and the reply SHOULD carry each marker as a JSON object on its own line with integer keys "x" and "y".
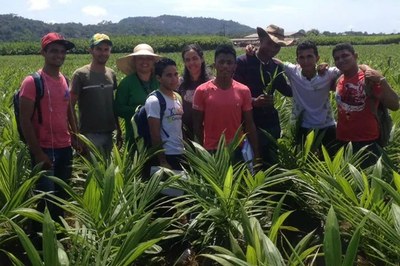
{"x": 58, "y": 38}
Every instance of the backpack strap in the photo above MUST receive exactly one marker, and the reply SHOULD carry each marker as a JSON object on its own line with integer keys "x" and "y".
{"x": 37, "y": 78}
{"x": 163, "y": 107}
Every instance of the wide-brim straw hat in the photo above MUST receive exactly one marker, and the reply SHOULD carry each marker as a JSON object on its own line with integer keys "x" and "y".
{"x": 276, "y": 34}
{"x": 126, "y": 64}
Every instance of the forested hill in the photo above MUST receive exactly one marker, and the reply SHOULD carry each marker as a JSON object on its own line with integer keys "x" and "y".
{"x": 15, "y": 28}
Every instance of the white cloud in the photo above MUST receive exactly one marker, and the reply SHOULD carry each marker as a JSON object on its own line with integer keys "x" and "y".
{"x": 94, "y": 11}
{"x": 38, "y": 4}
{"x": 64, "y": 1}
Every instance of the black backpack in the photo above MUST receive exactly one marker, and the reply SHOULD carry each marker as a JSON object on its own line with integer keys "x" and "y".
{"x": 140, "y": 122}
{"x": 39, "y": 95}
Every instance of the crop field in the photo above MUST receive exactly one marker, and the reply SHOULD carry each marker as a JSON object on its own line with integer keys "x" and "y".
{"x": 227, "y": 215}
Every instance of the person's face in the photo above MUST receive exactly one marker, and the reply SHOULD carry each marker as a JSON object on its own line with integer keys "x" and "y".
{"x": 193, "y": 62}
{"x": 55, "y": 54}
{"x": 345, "y": 60}
{"x": 169, "y": 78}
{"x": 101, "y": 53}
{"x": 225, "y": 65}
{"x": 307, "y": 59}
{"x": 143, "y": 63}
{"x": 268, "y": 47}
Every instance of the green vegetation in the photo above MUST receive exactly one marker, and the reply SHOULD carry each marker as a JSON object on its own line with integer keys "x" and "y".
{"x": 237, "y": 218}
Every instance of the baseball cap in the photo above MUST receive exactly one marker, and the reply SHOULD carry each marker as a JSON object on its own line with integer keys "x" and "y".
{"x": 54, "y": 37}
{"x": 99, "y": 38}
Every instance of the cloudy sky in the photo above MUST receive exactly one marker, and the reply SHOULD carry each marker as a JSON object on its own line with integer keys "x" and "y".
{"x": 335, "y": 15}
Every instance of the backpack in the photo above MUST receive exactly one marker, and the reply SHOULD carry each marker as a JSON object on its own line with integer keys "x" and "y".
{"x": 140, "y": 122}
{"x": 382, "y": 115}
{"x": 39, "y": 95}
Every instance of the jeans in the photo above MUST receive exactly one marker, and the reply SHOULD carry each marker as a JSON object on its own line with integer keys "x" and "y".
{"x": 62, "y": 168}
{"x": 102, "y": 141}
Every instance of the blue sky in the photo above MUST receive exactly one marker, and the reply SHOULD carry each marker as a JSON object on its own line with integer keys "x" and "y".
{"x": 334, "y": 15}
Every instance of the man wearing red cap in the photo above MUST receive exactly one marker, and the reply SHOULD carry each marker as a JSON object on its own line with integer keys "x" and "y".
{"x": 49, "y": 141}
{"x": 93, "y": 87}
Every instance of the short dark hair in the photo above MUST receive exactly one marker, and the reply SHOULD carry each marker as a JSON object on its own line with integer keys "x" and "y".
{"x": 162, "y": 64}
{"x": 225, "y": 49}
{"x": 305, "y": 45}
{"x": 343, "y": 46}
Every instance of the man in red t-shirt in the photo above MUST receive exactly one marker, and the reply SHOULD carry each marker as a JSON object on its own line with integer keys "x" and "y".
{"x": 356, "y": 121}
{"x": 49, "y": 142}
{"x": 222, "y": 104}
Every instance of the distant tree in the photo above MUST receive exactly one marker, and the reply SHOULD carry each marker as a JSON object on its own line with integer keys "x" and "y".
{"x": 313, "y": 32}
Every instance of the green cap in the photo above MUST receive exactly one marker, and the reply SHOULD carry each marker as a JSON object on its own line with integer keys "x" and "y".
{"x": 99, "y": 38}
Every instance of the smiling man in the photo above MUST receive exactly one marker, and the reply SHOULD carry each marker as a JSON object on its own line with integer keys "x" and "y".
{"x": 47, "y": 132}
{"x": 311, "y": 90}
{"x": 222, "y": 104}
{"x": 93, "y": 87}
{"x": 358, "y": 94}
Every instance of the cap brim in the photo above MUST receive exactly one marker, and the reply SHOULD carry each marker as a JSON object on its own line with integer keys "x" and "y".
{"x": 102, "y": 41}
{"x": 68, "y": 45}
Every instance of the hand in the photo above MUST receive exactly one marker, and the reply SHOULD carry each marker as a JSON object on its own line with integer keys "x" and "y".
{"x": 78, "y": 146}
{"x": 264, "y": 101}
{"x": 322, "y": 68}
{"x": 250, "y": 49}
{"x": 43, "y": 159}
{"x": 373, "y": 75}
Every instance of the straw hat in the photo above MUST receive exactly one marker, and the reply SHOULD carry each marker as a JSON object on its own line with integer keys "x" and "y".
{"x": 276, "y": 34}
{"x": 125, "y": 64}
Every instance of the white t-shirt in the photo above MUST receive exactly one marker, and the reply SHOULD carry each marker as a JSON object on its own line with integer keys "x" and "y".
{"x": 171, "y": 123}
{"x": 311, "y": 97}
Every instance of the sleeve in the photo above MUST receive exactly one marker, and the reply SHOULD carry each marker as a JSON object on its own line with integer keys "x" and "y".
{"x": 247, "y": 100}
{"x": 198, "y": 99}
{"x": 28, "y": 89}
{"x": 334, "y": 72}
{"x": 76, "y": 83}
{"x": 152, "y": 107}
{"x": 122, "y": 108}
{"x": 289, "y": 69}
{"x": 280, "y": 84}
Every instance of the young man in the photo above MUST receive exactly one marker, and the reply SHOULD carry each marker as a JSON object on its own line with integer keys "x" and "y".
{"x": 222, "y": 104}
{"x": 93, "y": 87}
{"x": 167, "y": 132}
{"x": 311, "y": 92}
{"x": 49, "y": 142}
{"x": 356, "y": 121}
{"x": 256, "y": 71}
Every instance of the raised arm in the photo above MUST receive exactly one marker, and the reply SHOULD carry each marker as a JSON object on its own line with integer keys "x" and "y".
{"x": 388, "y": 97}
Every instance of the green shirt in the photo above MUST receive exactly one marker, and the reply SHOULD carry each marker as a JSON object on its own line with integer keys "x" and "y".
{"x": 131, "y": 93}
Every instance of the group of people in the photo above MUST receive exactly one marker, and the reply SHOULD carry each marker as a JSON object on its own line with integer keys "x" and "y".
{"x": 200, "y": 106}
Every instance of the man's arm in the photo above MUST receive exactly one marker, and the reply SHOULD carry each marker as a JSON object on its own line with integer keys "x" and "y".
{"x": 250, "y": 129}
{"x": 155, "y": 134}
{"x": 198, "y": 127}
{"x": 388, "y": 97}
{"x": 280, "y": 83}
{"x": 26, "y": 109}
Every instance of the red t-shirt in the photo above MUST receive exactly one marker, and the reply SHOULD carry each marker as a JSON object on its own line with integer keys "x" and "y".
{"x": 356, "y": 121}
{"x": 53, "y": 131}
{"x": 222, "y": 110}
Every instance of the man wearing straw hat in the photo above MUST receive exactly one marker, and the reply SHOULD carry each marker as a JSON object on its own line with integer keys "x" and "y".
{"x": 263, "y": 76}
{"x": 138, "y": 83}
{"x": 93, "y": 87}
